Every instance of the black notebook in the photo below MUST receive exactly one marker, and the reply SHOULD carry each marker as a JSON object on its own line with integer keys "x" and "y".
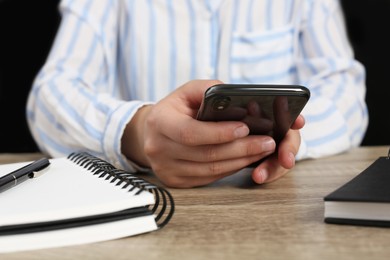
{"x": 79, "y": 199}
{"x": 364, "y": 200}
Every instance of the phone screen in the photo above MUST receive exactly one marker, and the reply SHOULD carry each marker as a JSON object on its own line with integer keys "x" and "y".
{"x": 266, "y": 109}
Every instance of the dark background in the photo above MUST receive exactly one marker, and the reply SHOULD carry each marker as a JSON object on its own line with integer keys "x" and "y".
{"x": 27, "y": 29}
{"x": 368, "y": 23}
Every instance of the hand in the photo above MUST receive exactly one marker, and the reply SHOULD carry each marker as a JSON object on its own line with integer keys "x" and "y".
{"x": 184, "y": 152}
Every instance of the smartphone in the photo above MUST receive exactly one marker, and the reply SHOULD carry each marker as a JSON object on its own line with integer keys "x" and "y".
{"x": 266, "y": 109}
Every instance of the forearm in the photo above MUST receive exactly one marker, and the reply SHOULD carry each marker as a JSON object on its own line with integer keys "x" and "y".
{"x": 336, "y": 115}
{"x": 63, "y": 120}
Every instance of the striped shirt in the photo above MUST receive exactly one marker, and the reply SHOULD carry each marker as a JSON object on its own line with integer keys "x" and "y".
{"x": 111, "y": 57}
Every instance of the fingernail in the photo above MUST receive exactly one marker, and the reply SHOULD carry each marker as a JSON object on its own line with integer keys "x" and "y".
{"x": 292, "y": 159}
{"x": 262, "y": 176}
{"x": 268, "y": 145}
{"x": 241, "y": 131}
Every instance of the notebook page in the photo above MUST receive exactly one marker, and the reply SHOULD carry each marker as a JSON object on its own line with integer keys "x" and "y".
{"x": 65, "y": 190}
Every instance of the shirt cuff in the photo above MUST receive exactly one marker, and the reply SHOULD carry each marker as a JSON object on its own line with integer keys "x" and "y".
{"x": 115, "y": 126}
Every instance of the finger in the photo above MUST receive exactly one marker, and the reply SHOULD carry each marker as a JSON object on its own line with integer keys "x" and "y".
{"x": 268, "y": 171}
{"x": 298, "y": 123}
{"x": 243, "y": 147}
{"x": 193, "y": 91}
{"x": 192, "y": 132}
{"x": 254, "y": 109}
{"x": 289, "y": 148}
{"x": 282, "y": 114}
{"x": 201, "y": 170}
{"x": 259, "y": 126}
{"x": 278, "y": 164}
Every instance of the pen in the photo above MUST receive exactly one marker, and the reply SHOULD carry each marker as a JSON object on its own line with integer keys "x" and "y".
{"x": 20, "y": 175}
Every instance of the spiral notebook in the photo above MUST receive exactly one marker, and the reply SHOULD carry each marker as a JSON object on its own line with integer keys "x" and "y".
{"x": 79, "y": 199}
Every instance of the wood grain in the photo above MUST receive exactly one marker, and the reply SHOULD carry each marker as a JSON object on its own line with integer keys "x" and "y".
{"x": 235, "y": 219}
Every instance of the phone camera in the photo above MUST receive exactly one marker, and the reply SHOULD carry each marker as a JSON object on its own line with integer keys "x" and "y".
{"x": 221, "y": 103}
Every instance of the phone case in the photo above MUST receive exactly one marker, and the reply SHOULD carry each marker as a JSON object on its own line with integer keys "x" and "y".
{"x": 266, "y": 109}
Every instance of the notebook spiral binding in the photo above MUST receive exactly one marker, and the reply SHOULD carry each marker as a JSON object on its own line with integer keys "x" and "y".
{"x": 164, "y": 206}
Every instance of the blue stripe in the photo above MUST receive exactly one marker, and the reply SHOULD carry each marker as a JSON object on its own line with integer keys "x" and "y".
{"x": 276, "y": 77}
{"x": 234, "y": 28}
{"x": 263, "y": 58}
{"x": 133, "y": 53}
{"x": 152, "y": 52}
{"x": 173, "y": 46}
{"x": 288, "y": 11}
{"x": 76, "y": 33}
{"x": 87, "y": 61}
{"x": 49, "y": 116}
{"x": 235, "y": 15}
{"x": 53, "y": 144}
{"x": 308, "y": 63}
{"x": 92, "y": 97}
{"x": 327, "y": 33}
{"x": 107, "y": 8}
{"x": 102, "y": 75}
{"x": 214, "y": 34}
{"x": 262, "y": 38}
{"x": 352, "y": 110}
{"x": 91, "y": 50}
{"x": 269, "y": 15}
{"x": 112, "y": 71}
{"x": 192, "y": 37}
{"x": 104, "y": 38}
{"x": 364, "y": 111}
{"x": 321, "y": 116}
{"x": 123, "y": 75}
{"x": 30, "y": 114}
{"x": 72, "y": 112}
{"x": 340, "y": 88}
{"x": 208, "y": 6}
{"x": 249, "y": 18}
{"x": 360, "y": 78}
{"x": 328, "y": 138}
{"x": 315, "y": 43}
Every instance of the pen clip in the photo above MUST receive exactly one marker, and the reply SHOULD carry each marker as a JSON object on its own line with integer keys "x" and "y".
{"x": 38, "y": 173}
{"x": 42, "y": 167}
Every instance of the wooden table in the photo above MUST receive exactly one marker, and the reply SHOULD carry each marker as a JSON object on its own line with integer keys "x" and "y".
{"x": 234, "y": 219}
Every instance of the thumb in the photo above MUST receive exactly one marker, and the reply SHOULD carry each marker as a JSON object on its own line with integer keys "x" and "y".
{"x": 193, "y": 91}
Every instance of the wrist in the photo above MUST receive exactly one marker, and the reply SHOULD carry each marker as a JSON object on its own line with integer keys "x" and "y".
{"x": 132, "y": 142}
